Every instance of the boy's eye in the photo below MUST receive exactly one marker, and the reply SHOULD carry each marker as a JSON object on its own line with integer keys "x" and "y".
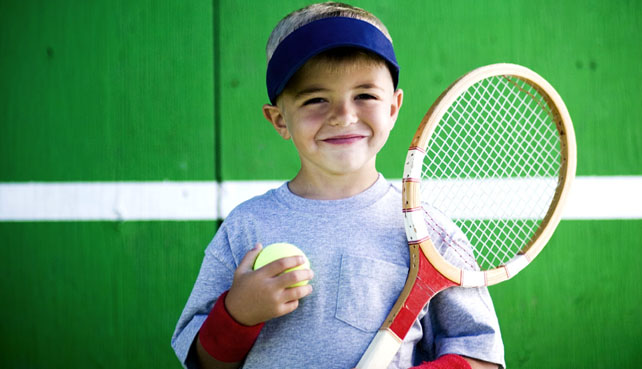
{"x": 366, "y": 97}
{"x": 314, "y": 100}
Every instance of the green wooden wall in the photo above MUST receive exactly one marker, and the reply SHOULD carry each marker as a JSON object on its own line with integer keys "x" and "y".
{"x": 171, "y": 90}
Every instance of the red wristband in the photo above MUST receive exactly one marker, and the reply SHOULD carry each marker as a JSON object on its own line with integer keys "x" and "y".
{"x": 223, "y": 337}
{"x": 448, "y": 361}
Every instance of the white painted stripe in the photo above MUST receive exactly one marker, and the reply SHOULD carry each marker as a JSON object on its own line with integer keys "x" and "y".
{"x": 599, "y": 197}
{"x": 235, "y": 192}
{"x": 605, "y": 198}
{"x": 108, "y": 201}
{"x": 618, "y": 197}
{"x": 492, "y": 198}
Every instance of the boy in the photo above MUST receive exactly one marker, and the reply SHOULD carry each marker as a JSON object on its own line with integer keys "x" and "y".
{"x": 332, "y": 78}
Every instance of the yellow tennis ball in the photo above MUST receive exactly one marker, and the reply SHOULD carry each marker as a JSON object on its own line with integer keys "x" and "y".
{"x": 280, "y": 250}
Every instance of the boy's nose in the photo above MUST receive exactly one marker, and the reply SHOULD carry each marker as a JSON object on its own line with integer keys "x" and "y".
{"x": 342, "y": 115}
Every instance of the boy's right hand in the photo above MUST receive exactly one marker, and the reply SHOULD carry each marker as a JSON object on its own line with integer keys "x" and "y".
{"x": 259, "y": 295}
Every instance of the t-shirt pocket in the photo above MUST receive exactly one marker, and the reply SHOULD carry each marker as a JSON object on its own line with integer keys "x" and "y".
{"x": 367, "y": 290}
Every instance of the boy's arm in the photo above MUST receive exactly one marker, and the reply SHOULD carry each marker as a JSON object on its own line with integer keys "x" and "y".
{"x": 235, "y": 321}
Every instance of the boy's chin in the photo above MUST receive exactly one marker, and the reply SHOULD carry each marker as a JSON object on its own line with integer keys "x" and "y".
{"x": 351, "y": 168}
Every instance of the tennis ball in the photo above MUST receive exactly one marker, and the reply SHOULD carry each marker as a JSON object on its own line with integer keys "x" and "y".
{"x": 280, "y": 250}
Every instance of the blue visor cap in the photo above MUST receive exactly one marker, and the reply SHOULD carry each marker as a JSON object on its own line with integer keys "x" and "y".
{"x": 322, "y": 35}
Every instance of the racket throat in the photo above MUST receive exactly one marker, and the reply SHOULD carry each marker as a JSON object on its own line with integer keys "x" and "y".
{"x": 423, "y": 283}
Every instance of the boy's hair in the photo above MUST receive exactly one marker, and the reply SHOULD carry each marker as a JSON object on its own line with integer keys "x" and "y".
{"x": 310, "y": 13}
{"x": 321, "y": 28}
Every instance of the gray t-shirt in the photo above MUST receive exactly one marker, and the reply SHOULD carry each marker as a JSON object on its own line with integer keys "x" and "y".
{"x": 358, "y": 250}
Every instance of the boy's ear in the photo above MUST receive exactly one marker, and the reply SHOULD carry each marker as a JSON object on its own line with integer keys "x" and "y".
{"x": 397, "y": 101}
{"x": 274, "y": 115}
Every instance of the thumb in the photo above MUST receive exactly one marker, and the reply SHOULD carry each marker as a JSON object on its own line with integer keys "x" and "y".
{"x": 247, "y": 263}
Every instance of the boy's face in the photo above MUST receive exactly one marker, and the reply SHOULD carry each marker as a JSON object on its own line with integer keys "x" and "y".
{"x": 338, "y": 114}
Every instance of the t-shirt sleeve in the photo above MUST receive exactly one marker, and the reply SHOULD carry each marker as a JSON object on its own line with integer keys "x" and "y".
{"x": 463, "y": 320}
{"x": 214, "y": 278}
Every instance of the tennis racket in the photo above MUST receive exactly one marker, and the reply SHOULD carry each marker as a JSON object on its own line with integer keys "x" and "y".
{"x": 496, "y": 155}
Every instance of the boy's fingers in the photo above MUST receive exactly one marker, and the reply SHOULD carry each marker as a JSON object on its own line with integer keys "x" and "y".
{"x": 247, "y": 262}
{"x": 288, "y": 279}
{"x": 281, "y": 265}
{"x": 291, "y": 297}
{"x": 297, "y": 293}
{"x": 288, "y": 307}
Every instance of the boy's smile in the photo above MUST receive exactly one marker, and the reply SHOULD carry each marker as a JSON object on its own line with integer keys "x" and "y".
{"x": 339, "y": 115}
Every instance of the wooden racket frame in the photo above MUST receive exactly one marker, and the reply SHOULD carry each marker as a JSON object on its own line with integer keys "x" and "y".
{"x": 411, "y": 186}
{"x": 389, "y": 338}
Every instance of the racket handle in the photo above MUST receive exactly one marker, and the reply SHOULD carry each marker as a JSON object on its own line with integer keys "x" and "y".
{"x": 381, "y": 351}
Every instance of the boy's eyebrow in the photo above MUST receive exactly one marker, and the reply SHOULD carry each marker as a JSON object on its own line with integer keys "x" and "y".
{"x": 308, "y": 91}
{"x": 316, "y": 89}
{"x": 368, "y": 85}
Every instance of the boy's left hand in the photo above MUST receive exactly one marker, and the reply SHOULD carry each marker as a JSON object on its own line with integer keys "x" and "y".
{"x": 259, "y": 295}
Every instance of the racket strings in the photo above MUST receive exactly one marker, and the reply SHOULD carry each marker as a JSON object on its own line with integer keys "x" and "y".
{"x": 464, "y": 253}
{"x": 492, "y": 166}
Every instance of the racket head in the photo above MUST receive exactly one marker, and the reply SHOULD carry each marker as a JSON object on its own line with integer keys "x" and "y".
{"x": 496, "y": 153}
